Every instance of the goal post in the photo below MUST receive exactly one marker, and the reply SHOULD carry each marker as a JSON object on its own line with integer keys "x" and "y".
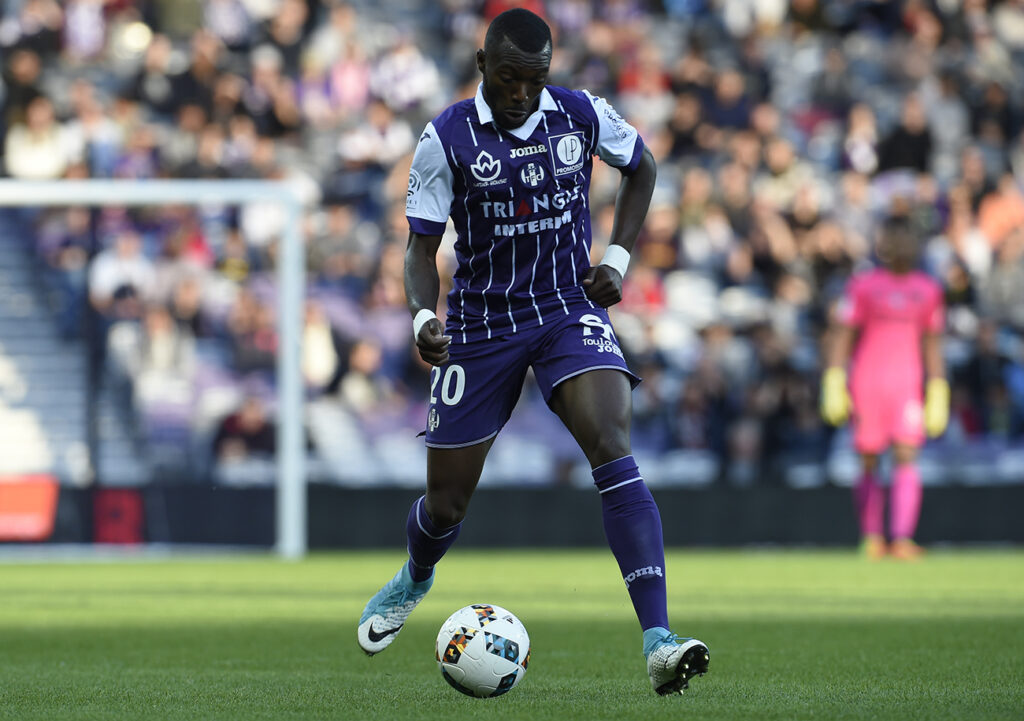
{"x": 290, "y": 531}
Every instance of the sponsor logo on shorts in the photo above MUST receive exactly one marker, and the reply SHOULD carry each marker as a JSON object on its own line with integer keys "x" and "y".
{"x": 603, "y": 345}
{"x": 641, "y": 572}
{"x": 433, "y": 420}
{"x": 599, "y": 335}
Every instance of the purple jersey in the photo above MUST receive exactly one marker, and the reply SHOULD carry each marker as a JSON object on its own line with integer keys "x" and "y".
{"x": 518, "y": 200}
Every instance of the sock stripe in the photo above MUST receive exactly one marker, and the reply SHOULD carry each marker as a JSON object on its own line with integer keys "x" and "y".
{"x": 427, "y": 533}
{"x": 619, "y": 485}
{"x": 598, "y": 468}
{"x": 408, "y": 550}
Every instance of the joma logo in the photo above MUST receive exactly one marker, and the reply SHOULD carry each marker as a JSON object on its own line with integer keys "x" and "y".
{"x": 640, "y": 572}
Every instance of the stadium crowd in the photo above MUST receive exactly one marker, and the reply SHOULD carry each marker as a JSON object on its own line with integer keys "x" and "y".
{"x": 784, "y": 132}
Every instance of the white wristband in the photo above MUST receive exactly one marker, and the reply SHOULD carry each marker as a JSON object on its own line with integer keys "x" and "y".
{"x": 617, "y": 257}
{"x": 420, "y": 320}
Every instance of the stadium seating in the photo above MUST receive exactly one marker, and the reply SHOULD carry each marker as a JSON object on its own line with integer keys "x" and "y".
{"x": 782, "y": 137}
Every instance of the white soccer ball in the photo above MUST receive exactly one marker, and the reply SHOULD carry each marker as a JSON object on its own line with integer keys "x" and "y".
{"x": 483, "y": 650}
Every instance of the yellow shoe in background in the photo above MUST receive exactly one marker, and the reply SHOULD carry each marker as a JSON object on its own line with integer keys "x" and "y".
{"x": 872, "y": 547}
{"x": 904, "y": 549}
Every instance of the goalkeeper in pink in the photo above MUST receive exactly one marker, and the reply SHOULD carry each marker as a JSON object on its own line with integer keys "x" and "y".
{"x": 889, "y": 330}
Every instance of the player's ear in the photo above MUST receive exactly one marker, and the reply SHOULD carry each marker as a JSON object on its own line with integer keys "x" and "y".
{"x": 480, "y": 57}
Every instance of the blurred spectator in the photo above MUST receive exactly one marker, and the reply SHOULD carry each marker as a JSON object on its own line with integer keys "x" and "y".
{"x": 121, "y": 278}
{"x": 948, "y": 120}
{"x": 784, "y": 133}
{"x": 38, "y": 148}
{"x": 1003, "y": 293}
{"x": 21, "y": 76}
{"x": 35, "y": 25}
{"x": 229, "y": 21}
{"x": 320, "y": 345}
{"x": 380, "y": 143}
{"x": 285, "y": 31}
{"x": 246, "y": 433}
{"x": 253, "y": 335}
{"x": 785, "y": 173}
{"x": 270, "y": 97}
{"x": 158, "y": 355}
{"x": 832, "y": 91}
{"x": 1001, "y": 211}
{"x": 860, "y": 146}
{"x": 407, "y": 80}
{"x": 92, "y": 134}
{"x": 729, "y": 107}
{"x": 85, "y": 29}
{"x": 909, "y": 144}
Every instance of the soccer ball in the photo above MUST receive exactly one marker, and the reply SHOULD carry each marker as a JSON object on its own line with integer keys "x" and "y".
{"x": 483, "y": 650}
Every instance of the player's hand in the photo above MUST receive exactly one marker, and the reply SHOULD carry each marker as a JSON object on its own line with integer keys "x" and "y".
{"x": 603, "y": 285}
{"x": 433, "y": 343}
{"x": 936, "y": 407}
{"x": 835, "y": 399}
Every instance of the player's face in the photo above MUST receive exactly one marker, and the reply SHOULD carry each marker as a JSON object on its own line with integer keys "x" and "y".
{"x": 899, "y": 251}
{"x": 513, "y": 81}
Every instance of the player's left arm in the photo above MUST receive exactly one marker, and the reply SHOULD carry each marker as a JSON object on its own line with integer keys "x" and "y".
{"x": 936, "y": 398}
{"x": 839, "y": 344}
{"x": 619, "y": 145}
{"x": 603, "y": 283}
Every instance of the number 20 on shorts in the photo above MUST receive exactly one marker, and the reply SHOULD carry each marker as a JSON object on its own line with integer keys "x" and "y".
{"x": 452, "y": 387}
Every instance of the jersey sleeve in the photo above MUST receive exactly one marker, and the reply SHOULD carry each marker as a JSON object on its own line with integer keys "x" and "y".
{"x": 428, "y": 200}
{"x": 852, "y": 306}
{"x": 618, "y": 143}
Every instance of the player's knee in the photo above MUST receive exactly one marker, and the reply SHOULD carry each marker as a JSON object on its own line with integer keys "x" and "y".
{"x": 447, "y": 511}
{"x": 608, "y": 445}
{"x": 904, "y": 454}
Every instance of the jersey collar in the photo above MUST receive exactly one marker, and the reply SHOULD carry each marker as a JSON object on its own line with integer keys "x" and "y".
{"x": 524, "y": 131}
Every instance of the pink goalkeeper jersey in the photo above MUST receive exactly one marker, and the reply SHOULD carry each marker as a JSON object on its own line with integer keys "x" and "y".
{"x": 892, "y": 312}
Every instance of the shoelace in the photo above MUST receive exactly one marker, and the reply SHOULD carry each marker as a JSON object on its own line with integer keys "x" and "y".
{"x": 399, "y": 596}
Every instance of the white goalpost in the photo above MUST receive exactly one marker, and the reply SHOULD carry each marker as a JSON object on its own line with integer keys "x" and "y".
{"x": 290, "y": 533}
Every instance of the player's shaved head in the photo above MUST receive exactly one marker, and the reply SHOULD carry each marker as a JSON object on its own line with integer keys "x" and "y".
{"x": 520, "y": 27}
{"x": 898, "y": 245}
{"x": 514, "y": 62}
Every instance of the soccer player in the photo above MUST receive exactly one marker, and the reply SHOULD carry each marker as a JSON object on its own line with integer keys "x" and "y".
{"x": 512, "y": 167}
{"x": 890, "y": 320}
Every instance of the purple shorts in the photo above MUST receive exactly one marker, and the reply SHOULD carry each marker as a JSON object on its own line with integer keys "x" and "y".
{"x": 473, "y": 394}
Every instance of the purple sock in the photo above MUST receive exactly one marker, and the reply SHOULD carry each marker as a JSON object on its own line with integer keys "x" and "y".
{"x": 869, "y": 498}
{"x": 427, "y": 542}
{"x": 632, "y": 526}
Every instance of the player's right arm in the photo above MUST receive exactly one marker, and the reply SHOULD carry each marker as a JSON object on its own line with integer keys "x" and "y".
{"x": 936, "y": 398}
{"x": 427, "y": 207}
{"x": 835, "y": 397}
{"x": 422, "y": 286}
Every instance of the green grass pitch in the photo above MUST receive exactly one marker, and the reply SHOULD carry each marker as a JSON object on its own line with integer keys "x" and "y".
{"x": 793, "y": 635}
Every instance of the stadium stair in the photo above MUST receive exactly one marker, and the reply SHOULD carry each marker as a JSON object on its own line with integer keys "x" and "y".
{"x": 43, "y": 383}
